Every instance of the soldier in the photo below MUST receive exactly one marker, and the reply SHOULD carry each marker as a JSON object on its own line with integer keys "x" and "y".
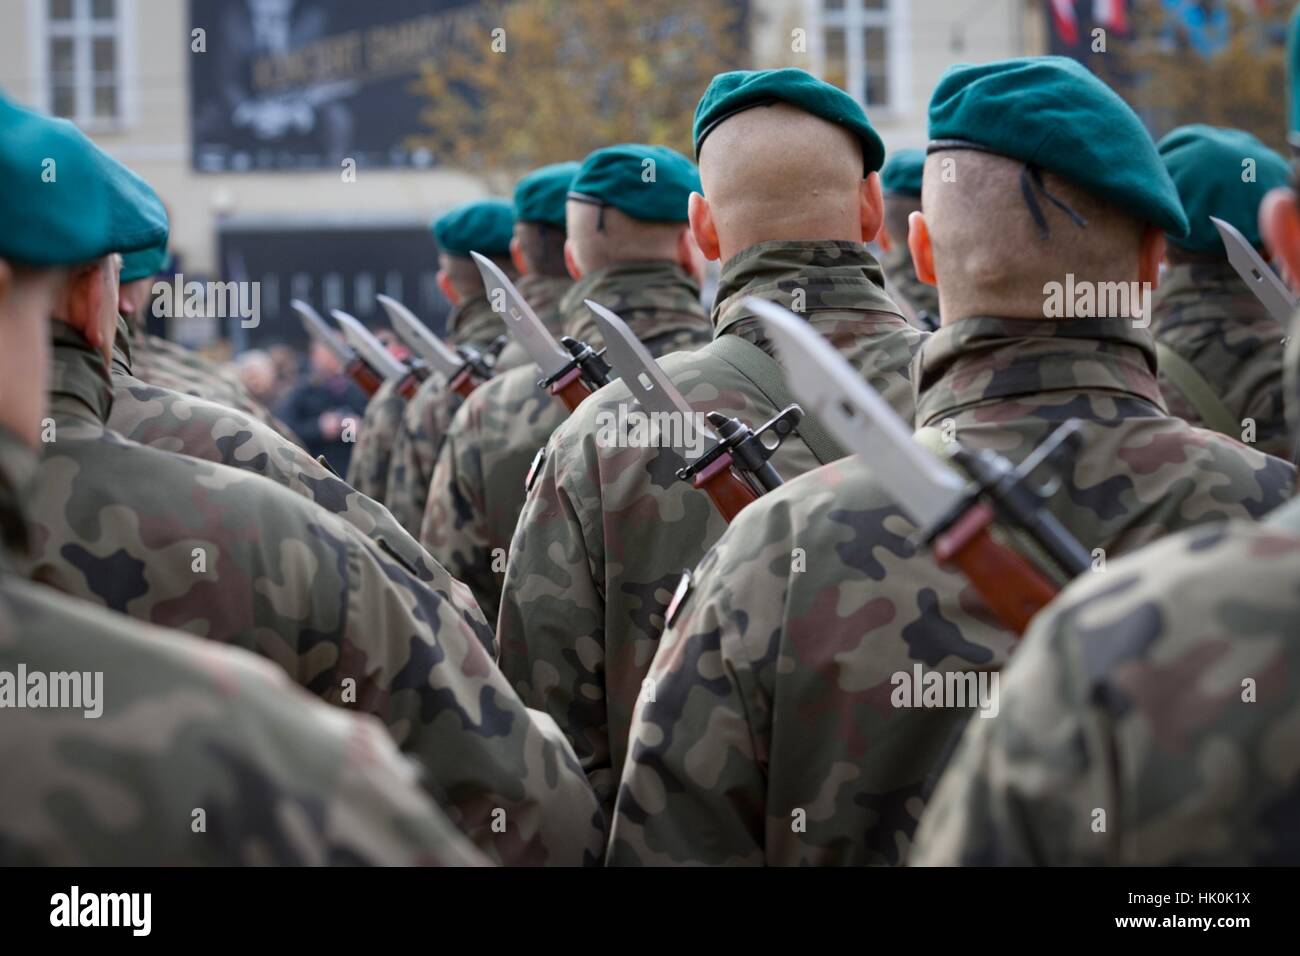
{"x": 790, "y": 195}
{"x": 900, "y": 182}
{"x": 485, "y": 227}
{"x": 1150, "y": 715}
{"x": 791, "y": 715}
{"x": 236, "y": 559}
{"x": 1220, "y": 351}
{"x": 210, "y": 755}
{"x": 639, "y": 262}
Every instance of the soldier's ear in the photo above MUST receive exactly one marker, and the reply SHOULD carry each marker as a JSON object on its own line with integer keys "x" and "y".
{"x": 689, "y": 256}
{"x": 517, "y": 256}
{"x": 6, "y": 281}
{"x": 1279, "y": 223}
{"x": 703, "y": 227}
{"x": 1152, "y": 251}
{"x": 918, "y": 244}
{"x": 83, "y": 303}
{"x": 571, "y": 260}
{"x": 447, "y": 289}
{"x": 884, "y": 240}
{"x": 871, "y": 207}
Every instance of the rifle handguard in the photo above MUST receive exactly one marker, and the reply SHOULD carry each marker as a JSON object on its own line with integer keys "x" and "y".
{"x": 736, "y": 470}
{"x": 578, "y": 378}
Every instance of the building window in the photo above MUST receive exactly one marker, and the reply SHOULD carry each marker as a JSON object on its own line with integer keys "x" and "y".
{"x": 858, "y": 38}
{"x": 84, "y": 60}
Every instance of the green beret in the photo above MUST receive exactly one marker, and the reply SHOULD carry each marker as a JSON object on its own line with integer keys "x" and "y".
{"x": 63, "y": 200}
{"x": 143, "y": 263}
{"x": 1205, "y": 164}
{"x": 901, "y": 175}
{"x": 540, "y": 196}
{"x": 651, "y": 183}
{"x": 1051, "y": 113}
{"x": 485, "y": 226}
{"x": 739, "y": 90}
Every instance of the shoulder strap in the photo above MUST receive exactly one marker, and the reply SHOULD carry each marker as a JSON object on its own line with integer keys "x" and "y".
{"x": 1197, "y": 391}
{"x": 769, "y": 378}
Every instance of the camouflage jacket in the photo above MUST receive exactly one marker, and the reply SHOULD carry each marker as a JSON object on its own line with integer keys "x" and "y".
{"x": 237, "y": 559}
{"x": 1148, "y": 720}
{"x": 429, "y": 414}
{"x": 607, "y": 530}
{"x": 918, "y": 301}
{"x": 371, "y": 459}
{"x": 161, "y": 418}
{"x": 210, "y": 755}
{"x": 786, "y": 722}
{"x": 477, "y": 489}
{"x": 1207, "y": 315}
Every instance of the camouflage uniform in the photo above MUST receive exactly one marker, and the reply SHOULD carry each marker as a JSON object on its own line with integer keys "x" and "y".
{"x": 919, "y": 301}
{"x": 185, "y": 725}
{"x": 606, "y": 531}
{"x": 429, "y": 413}
{"x": 477, "y": 489}
{"x": 161, "y": 418}
{"x": 1207, "y": 315}
{"x": 1165, "y": 693}
{"x": 234, "y": 558}
{"x": 772, "y": 735}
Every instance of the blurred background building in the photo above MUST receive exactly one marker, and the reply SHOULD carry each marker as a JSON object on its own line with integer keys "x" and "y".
{"x": 307, "y": 144}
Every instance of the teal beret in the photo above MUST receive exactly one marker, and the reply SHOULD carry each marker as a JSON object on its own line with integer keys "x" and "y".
{"x": 144, "y": 263}
{"x": 1293, "y": 70}
{"x": 540, "y": 196}
{"x": 1051, "y": 113}
{"x": 63, "y": 200}
{"x": 1205, "y": 164}
{"x": 485, "y": 226}
{"x": 901, "y": 175}
{"x": 619, "y": 176}
{"x": 739, "y": 90}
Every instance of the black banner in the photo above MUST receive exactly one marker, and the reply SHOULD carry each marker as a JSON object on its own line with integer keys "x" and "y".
{"x": 306, "y": 84}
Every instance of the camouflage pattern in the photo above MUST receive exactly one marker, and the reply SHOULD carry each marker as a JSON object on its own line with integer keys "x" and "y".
{"x": 429, "y": 414}
{"x": 376, "y": 435}
{"x": 917, "y": 300}
{"x": 477, "y": 489}
{"x": 773, "y": 735}
{"x": 171, "y": 421}
{"x": 607, "y": 531}
{"x": 1207, "y": 315}
{"x": 185, "y": 724}
{"x": 237, "y": 559}
{"x": 1149, "y": 718}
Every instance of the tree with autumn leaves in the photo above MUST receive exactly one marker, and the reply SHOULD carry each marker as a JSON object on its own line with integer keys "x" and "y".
{"x": 530, "y": 82}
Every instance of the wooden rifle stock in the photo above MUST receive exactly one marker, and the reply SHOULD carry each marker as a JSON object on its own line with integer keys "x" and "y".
{"x": 364, "y": 376}
{"x": 408, "y": 386}
{"x": 463, "y": 382}
{"x": 1010, "y": 585}
{"x": 570, "y": 389}
{"x": 729, "y": 492}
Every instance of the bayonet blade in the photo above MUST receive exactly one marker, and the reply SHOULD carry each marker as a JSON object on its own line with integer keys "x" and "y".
{"x": 1255, "y": 272}
{"x": 436, "y": 353}
{"x": 319, "y": 330}
{"x": 521, "y": 321}
{"x": 642, "y": 375}
{"x": 855, "y": 413}
{"x": 371, "y": 349}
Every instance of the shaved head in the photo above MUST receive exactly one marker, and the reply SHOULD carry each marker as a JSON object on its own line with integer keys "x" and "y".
{"x": 463, "y": 276}
{"x": 599, "y": 236}
{"x": 776, "y": 172}
{"x": 988, "y": 255}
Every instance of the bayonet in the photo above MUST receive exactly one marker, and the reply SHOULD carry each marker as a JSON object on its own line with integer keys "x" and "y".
{"x": 955, "y": 515}
{"x": 735, "y": 469}
{"x": 463, "y": 373}
{"x": 373, "y": 352}
{"x": 1255, "y": 272}
{"x": 353, "y": 366}
{"x": 571, "y": 370}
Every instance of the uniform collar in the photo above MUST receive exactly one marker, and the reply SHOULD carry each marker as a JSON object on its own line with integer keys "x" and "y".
{"x": 79, "y": 381}
{"x": 983, "y": 360}
{"x": 18, "y": 467}
{"x": 804, "y": 276}
{"x": 122, "y": 348}
{"x": 652, "y": 297}
{"x": 1191, "y": 284}
{"x": 473, "y": 322}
